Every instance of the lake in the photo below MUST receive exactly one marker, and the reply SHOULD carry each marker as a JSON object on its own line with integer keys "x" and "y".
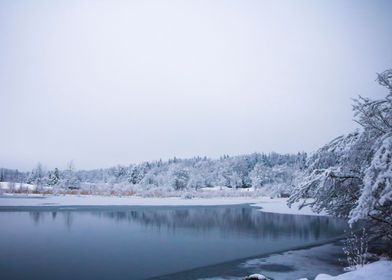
{"x": 143, "y": 242}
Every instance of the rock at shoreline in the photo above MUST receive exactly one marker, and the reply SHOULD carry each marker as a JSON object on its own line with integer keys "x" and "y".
{"x": 256, "y": 277}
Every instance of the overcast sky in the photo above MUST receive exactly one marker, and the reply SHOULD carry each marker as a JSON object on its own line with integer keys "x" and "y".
{"x": 117, "y": 82}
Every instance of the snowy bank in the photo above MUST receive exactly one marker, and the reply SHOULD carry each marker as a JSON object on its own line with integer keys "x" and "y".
{"x": 290, "y": 265}
{"x": 266, "y": 204}
{"x": 380, "y": 270}
{"x": 93, "y": 200}
{"x": 279, "y": 205}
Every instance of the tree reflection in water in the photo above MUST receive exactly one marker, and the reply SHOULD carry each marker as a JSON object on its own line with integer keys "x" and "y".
{"x": 226, "y": 220}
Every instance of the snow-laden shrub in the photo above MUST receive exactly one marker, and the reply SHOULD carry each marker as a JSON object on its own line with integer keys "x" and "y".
{"x": 356, "y": 249}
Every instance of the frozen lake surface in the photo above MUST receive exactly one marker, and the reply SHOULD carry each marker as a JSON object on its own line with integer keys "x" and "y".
{"x": 119, "y": 242}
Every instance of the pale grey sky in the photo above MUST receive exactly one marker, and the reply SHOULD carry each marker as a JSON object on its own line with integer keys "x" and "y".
{"x": 118, "y": 82}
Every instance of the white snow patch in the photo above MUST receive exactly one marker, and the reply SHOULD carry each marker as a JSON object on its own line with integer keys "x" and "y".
{"x": 256, "y": 276}
{"x": 16, "y": 186}
{"x": 92, "y": 200}
{"x": 297, "y": 264}
{"x": 380, "y": 270}
{"x": 216, "y": 188}
{"x": 279, "y": 205}
{"x": 271, "y": 205}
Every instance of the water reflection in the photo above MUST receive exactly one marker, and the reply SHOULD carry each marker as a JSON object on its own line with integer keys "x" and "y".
{"x": 227, "y": 221}
{"x": 38, "y": 216}
{"x": 142, "y": 242}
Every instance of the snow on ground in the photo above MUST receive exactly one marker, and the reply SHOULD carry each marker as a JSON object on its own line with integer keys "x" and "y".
{"x": 279, "y": 205}
{"x": 223, "y": 188}
{"x": 16, "y": 186}
{"x": 92, "y": 200}
{"x": 292, "y": 265}
{"x": 380, "y": 270}
{"x": 216, "y": 188}
{"x": 298, "y": 264}
{"x": 275, "y": 205}
{"x": 307, "y": 263}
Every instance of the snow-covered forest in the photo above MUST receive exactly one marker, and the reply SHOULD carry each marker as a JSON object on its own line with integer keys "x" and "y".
{"x": 273, "y": 173}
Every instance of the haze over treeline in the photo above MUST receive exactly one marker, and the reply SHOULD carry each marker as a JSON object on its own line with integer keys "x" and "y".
{"x": 105, "y": 83}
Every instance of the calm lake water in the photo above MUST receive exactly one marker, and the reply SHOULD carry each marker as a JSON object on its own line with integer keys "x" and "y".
{"x": 142, "y": 242}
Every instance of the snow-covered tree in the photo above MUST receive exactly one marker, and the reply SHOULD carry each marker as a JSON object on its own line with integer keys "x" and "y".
{"x": 351, "y": 176}
{"x": 260, "y": 175}
{"x": 54, "y": 177}
{"x": 332, "y": 179}
{"x": 178, "y": 177}
{"x": 2, "y": 176}
{"x": 375, "y": 201}
{"x": 138, "y": 172}
{"x": 37, "y": 177}
{"x": 70, "y": 178}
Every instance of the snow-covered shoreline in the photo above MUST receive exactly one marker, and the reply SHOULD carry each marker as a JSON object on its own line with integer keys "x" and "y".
{"x": 380, "y": 270}
{"x": 265, "y": 204}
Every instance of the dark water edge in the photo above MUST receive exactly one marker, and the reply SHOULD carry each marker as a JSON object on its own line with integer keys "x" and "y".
{"x": 234, "y": 269}
{"x": 142, "y": 242}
